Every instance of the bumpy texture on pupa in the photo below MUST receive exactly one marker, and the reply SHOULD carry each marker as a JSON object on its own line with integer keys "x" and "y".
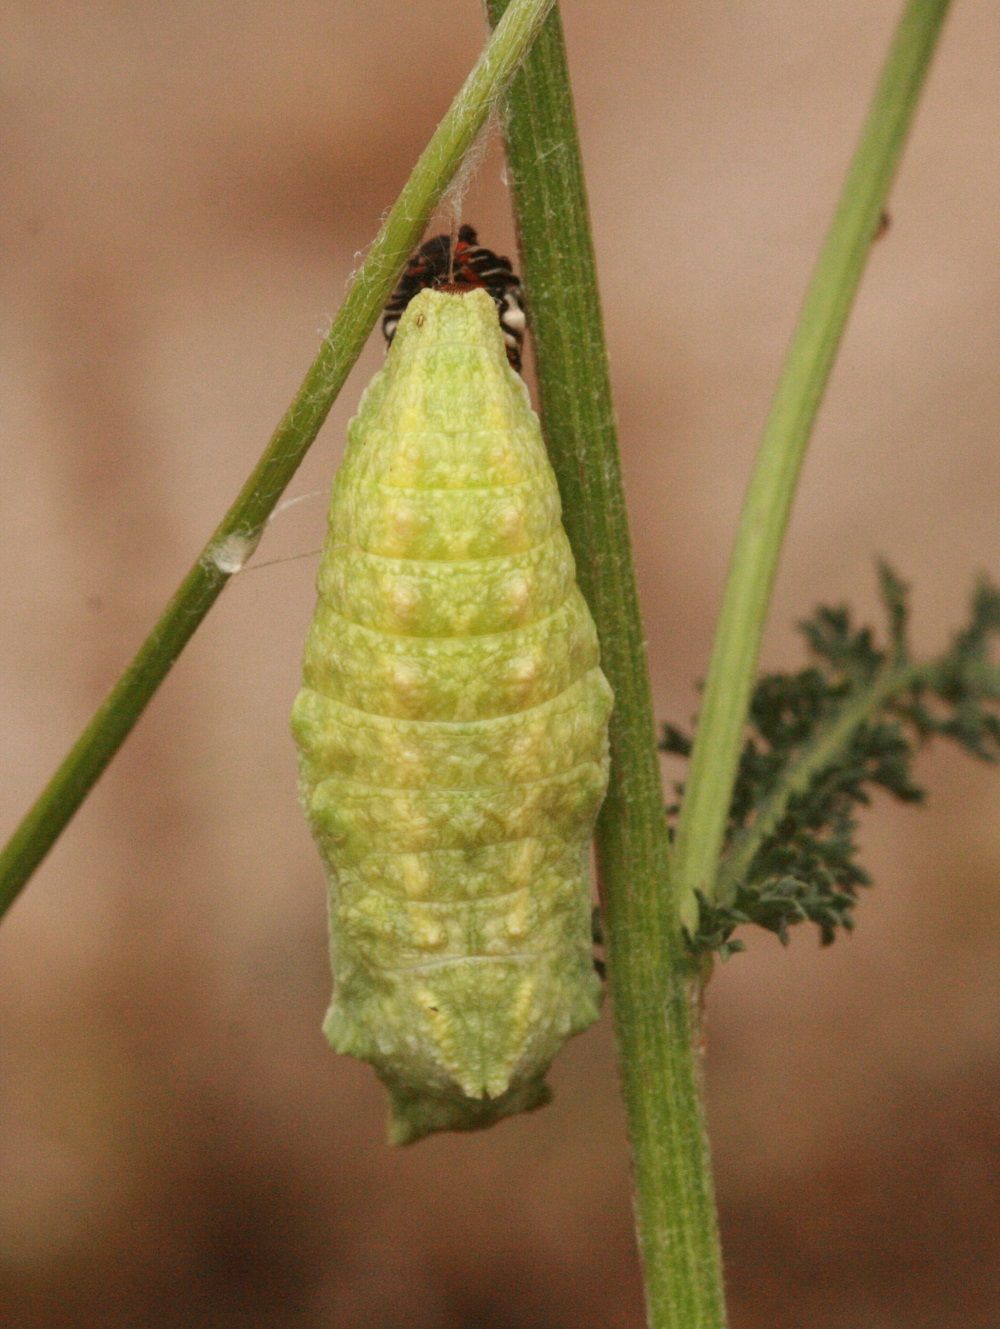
{"x": 452, "y": 729}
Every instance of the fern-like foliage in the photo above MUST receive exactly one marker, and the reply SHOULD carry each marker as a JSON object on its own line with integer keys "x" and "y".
{"x": 819, "y": 742}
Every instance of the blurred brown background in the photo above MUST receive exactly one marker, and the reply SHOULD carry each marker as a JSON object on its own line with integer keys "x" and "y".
{"x": 187, "y": 188}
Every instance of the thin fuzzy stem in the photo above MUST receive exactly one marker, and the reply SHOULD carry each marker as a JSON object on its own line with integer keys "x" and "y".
{"x": 237, "y": 534}
{"x": 648, "y": 969}
{"x": 817, "y": 755}
{"x": 768, "y": 503}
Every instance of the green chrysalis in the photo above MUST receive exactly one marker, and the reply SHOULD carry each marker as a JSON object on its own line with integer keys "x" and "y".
{"x": 452, "y": 728}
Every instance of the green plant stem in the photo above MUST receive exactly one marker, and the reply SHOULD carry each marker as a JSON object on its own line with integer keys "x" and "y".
{"x": 816, "y": 756}
{"x": 649, "y": 971}
{"x": 810, "y": 358}
{"x": 235, "y": 537}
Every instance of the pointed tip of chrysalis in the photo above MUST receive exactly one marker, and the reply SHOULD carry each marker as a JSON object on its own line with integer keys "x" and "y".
{"x": 434, "y": 317}
{"x": 412, "y": 1116}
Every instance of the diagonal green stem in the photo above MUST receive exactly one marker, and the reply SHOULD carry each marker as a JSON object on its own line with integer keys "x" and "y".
{"x": 786, "y": 434}
{"x": 649, "y": 972}
{"x": 235, "y": 537}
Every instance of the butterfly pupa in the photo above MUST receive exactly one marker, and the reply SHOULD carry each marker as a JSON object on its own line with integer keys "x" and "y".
{"x": 452, "y": 732}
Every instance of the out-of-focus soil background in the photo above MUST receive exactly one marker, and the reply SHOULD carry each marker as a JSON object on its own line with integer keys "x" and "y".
{"x": 187, "y": 188}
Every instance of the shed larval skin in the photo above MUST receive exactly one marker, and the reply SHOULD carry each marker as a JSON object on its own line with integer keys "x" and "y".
{"x": 452, "y": 729}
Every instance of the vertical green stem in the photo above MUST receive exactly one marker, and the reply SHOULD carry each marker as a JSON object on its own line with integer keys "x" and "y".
{"x": 786, "y": 434}
{"x": 235, "y": 537}
{"x": 649, "y": 973}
